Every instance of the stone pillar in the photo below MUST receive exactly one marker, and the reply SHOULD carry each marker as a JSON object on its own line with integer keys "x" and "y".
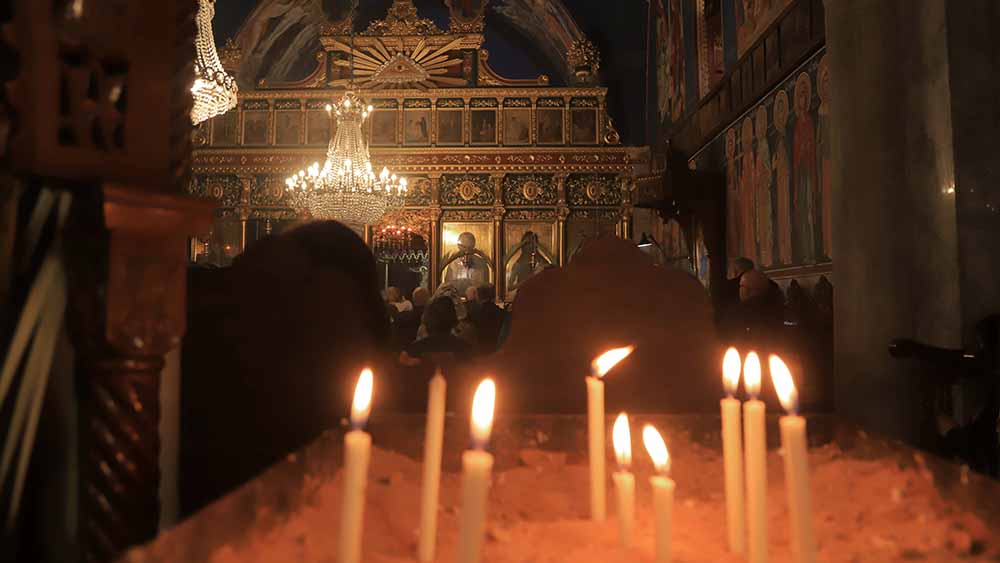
{"x": 973, "y": 60}
{"x": 909, "y": 138}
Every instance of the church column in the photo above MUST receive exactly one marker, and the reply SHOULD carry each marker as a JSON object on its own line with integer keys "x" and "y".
{"x": 562, "y": 212}
{"x": 973, "y": 62}
{"x": 500, "y": 281}
{"x": 894, "y": 221}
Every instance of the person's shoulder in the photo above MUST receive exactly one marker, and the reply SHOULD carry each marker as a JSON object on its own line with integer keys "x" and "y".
{"x": 420, "y": 346}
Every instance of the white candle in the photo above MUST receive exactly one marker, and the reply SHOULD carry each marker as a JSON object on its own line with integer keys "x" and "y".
{"x": 357, "y": 452}
{"x": 433, "y": 439}
{"x": 595, "y": 429}
{"x": 793, "y": 444}
{"x": 755, "y": 440}
{"x": 663, "y": 492}
{"x": 732, "y": 452}
{"x": 477, "y": 466}
{"x": 624, "y": 481}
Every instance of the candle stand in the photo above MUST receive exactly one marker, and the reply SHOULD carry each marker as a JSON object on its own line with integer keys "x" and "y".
{"x": 873, "y": 499}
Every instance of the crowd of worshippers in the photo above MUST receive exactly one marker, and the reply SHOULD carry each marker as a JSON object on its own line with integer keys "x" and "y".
{"x": 445, "y": 327}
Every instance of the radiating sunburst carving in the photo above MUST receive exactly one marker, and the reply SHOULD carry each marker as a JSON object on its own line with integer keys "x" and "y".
{"x": 380, "y": 66}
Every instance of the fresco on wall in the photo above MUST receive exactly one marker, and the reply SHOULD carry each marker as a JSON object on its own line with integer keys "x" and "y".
{"x": 669, "y": 60}
{"x": 776, "y": 158}
{"x": 753, "y": 17}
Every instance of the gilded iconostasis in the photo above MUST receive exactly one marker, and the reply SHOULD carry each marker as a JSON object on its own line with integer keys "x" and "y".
{"x": 508, "y": 174}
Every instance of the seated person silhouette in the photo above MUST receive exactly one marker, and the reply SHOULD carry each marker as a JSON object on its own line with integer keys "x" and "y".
{"x": 274, "y": 347}
{"x": 440, "y": 347}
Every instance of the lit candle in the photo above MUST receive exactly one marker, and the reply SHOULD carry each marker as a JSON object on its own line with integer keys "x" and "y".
{"x": 732, "y": 452}
{"x": 663, "y": 491}
{"x": 755, "y": 440}
{"x": 793, "y": 443}
{"x": 357, "y": 452}
{"x": 433, "y": 438}
{"x": 621, "y": 439}
{"x": 476, "y": 467}
{"x": 595, "y": 428}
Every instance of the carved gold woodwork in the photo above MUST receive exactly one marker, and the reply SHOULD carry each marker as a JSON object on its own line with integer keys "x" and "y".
{"x": 460, "y": 22}
{"x": 402, "y": 19}
{"x": 585, "y": 60}
{"x": 468, "y": 190}
{"x": 489, "y": 77}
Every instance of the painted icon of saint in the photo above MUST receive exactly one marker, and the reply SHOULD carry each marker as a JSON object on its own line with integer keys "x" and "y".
{"x": 804, "y": 169}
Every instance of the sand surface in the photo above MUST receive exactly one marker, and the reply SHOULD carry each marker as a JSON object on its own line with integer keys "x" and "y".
{"x": 863, "y": 512}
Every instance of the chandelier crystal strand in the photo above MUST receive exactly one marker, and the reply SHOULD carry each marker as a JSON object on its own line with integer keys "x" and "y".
{"x": 346, "y": 187}
{"x": 214, "y": 90}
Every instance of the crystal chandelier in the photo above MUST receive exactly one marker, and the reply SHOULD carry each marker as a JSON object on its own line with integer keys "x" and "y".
{"x": 346, "y": 187}
{"x": 214, "y": 90}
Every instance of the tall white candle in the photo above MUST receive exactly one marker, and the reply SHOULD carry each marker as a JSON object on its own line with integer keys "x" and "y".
{"x": 477, "y": 466}
{"x": 595, "y": 439}
{"x": 357, "y": 452}
{"x": 793, "y": 444}
{"x": 755, "y": 441}
{"x": 663, "y": 492}
{"x": 732, "y": 453}
{"x": 624, "y": 481}
{"x": 430, "y": 487}
{"x": 596, "y": 431}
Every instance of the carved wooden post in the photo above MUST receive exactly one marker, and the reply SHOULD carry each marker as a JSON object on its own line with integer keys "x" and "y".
{"x": 247, "y": 184}
{"x": 127, "y": 311}
{"x": 627, "y": 186}
{"x": 434, "y": 244}
{"x": 498, "y": 212}
{"x": 562, "y": 213}
{"x": 107, "y": 113}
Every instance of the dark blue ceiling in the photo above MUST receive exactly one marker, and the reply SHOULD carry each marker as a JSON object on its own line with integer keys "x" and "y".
{"x": 618, "y": 29}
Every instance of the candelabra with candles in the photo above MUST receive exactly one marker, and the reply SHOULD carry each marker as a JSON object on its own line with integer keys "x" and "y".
{"x": 393, "y": 243}
{"x": 346, "y": 187}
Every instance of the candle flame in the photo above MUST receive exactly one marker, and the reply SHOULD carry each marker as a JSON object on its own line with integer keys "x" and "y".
{"x": 603, "y": 363}
{"x": 784, "y": 385}
{"x": 731, "y": 365}
{"x": 621, "y": 439}
{"x": 751, "y": 374}
{"x": 656, "y": 449}
{"x": 362, "y": 405}
{"x": 482, "y": 411}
